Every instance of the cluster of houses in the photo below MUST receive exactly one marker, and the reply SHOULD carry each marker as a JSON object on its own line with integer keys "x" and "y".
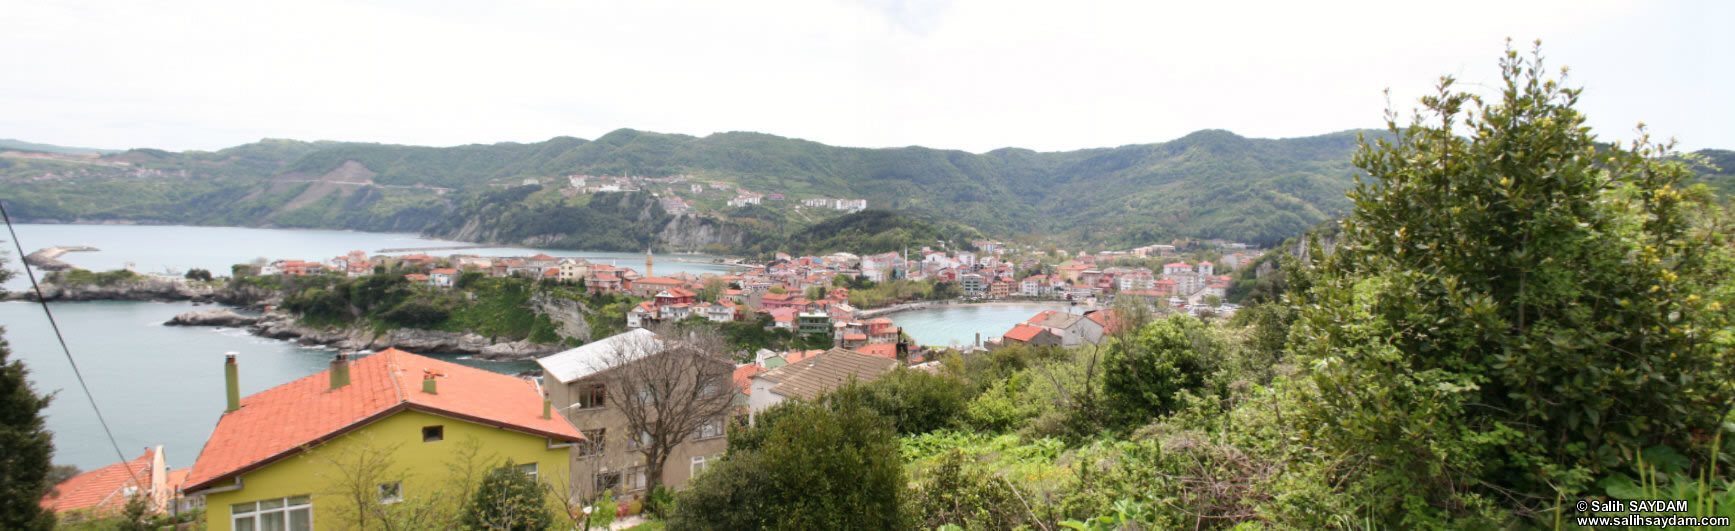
{"x": 1053, "y": 328}
{"x": 846, "y": 205}
{"x": 275, "y": 456}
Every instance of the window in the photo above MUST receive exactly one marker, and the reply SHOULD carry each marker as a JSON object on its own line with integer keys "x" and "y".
{"x": 698, "y": 464}
{"x": 528, "y": 469}
{"x": 606, "y": 481}
{"x": 294, "y": 513}
{"x": 593, "y": 442}
{"x": 592, "y": 397}
{"x": 635, "y": 478}
{"x": 711, "y": 429}
{"x": 392, "y": 492}
{"x": 643, "y": 440}
{"x": 433, "y": 433}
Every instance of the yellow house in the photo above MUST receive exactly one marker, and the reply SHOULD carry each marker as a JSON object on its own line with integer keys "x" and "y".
{"x": 324, "y": 451}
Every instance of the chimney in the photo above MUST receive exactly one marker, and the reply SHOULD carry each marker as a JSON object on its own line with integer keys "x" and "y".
{"x": 978, "y": 339}
{"x": 547, "y": 408}
{"x": 428, "y": 385}
{"x": 232, "y": 380}
{"x": 339, "y": 371}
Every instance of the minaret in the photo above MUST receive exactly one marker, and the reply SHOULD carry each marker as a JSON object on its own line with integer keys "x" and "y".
{"x": 648, "y": 262}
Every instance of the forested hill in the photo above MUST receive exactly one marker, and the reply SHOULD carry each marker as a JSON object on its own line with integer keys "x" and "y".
{"x": 1209, "y": 184}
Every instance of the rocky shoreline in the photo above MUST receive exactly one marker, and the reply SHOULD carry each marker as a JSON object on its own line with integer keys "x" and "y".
{"x": 276, "y": 324}
{"x": 280, "y": 325}
{"x": 141, "y": 288}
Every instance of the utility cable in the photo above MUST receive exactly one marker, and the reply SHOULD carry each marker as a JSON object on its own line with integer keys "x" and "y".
{"x": 68, "y": 350}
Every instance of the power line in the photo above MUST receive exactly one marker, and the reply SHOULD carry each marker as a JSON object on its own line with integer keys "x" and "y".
{"x": 63, "y": 348}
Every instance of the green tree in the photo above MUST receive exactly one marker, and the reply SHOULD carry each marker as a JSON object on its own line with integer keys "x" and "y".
{"x": 915, "y": 401}
{"x": 26, "y": 448}
{"x": 1514, "y": 309}
{"x": 1146, "y": 371}
{"x": 198, "y": 274}
{"x": 828, "y": 464}
{"x": 508, "y": 500}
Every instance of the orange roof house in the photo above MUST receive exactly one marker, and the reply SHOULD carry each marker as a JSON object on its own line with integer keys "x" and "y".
{"x": 279, "y": 422}
{"x": 105, "y": 491}
{"x": 883, "y": 350}
{"x": 278, "y": 445}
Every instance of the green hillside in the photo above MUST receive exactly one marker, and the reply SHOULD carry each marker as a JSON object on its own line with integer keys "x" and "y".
{"x": 1209, "y": 184}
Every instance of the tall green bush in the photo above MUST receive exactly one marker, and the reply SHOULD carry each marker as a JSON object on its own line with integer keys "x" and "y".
{"x": 1145, "y": 372}
{"x": 828, "y": 464}
{"x": 1515, "y": 308}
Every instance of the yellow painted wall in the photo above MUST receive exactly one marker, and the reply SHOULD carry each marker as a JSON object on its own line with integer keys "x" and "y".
{"x": 423, "y": 465}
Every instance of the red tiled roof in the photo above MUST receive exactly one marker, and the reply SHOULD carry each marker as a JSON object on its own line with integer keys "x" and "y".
{"x": 855, "y": 337}
{"x": 658, "y": 280}
{"x": 444, "y": 271}
{"x": 177, "y": 478}
{"x": 884, "y": 350}
{"x": 280, "y": 421}
{"x": 1179, "y": 264}
{"x": 798, "y": 355}
{"x": 1023, "y": 333}
{"x": 102, "y": 489}
{"x": 744, "y": 377}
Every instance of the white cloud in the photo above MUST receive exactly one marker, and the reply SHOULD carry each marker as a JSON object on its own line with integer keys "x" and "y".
{"x": 974, "y": 75}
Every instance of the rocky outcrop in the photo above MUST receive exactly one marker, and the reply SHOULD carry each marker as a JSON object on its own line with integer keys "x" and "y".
{"x": 280, "y": 325}
{"x": 218, "y": 317}
{"x": 568, "y": 315}
{"x": 517, "y": 350}
{"x": 242, "y": 295}
{"x": 692, "y": 233}
{"x": 139, "y": 288}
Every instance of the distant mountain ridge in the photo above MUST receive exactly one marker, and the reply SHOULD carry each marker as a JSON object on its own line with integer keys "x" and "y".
{"x": 1208, "y": 184}
{"x": 20, "y": 145}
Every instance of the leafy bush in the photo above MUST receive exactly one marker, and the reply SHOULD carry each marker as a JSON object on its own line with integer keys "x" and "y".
{"x": 509, "y": 500}
{"x": 415, "y": 314}
{"x": 1144, "y": 374}
{"x": 915, "y": 401}
{"x": 1532, "y": 303}
{"x": 829, "y": 464}
{"x": 961, "y": 493}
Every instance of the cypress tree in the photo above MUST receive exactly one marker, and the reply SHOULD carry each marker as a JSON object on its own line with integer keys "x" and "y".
{"x": 26, "y": 448}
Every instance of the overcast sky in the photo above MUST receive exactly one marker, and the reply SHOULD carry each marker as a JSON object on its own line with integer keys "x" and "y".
{"x": 968, "y": 75}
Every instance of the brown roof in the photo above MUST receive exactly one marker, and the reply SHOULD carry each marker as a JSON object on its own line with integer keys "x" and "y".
{"x": 1058, "y": 321}
{"x": 810, "y": 377}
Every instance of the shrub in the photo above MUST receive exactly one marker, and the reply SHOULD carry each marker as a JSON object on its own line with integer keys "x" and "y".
{"x": 510, "y": 500}
{"x": 915, "y": 401}
{"x": 1515, "y": 309}
{"x": 829, "y": 464}
{"x": 1143, "y": 374}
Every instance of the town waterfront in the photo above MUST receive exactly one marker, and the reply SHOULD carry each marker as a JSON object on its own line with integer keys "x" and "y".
{"x": 155, "y": 384}
{"x": 950, "y": 325}
{"x": 163, "y": 385}
{"x": 155, "y": 249}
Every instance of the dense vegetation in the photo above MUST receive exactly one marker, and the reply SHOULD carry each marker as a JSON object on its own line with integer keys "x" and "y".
{"x": 497, "y": 308}
{"x": 1208, "y": 184}
{"x": 533, "y": 215}
{"x": 1513, "y": 320}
